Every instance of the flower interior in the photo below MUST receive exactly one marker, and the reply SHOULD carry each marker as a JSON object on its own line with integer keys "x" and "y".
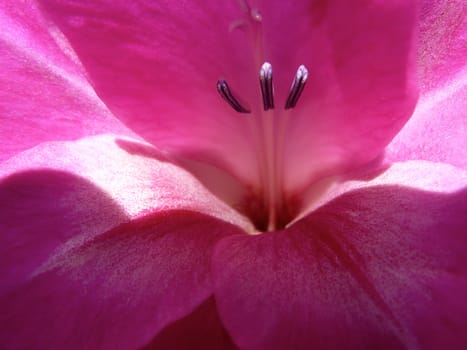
{"x": 268, "y": 127}
{"x": 270, "y": 207}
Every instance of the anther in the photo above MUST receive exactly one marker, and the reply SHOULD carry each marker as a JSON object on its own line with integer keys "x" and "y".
{"x": 227, "y": 95}
{"x": 265, "y": 81}
{"x": 297, "y": 87}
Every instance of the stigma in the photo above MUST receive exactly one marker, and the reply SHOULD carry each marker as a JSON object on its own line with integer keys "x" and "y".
{"x": 267, "y": 89}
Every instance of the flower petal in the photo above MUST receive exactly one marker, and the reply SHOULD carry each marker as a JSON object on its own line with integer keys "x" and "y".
{"x": 102, "y": 246}
{"x": 118, "y": 290}
{"x": 383, "y": 266}
{"x": 441, "y": 43}
{"x": 82, "y": 179}
{"x": 45, "y": 94}
{"x": 438, "y": 129}
{"x": 138, "y": 177}
{"x": 42, "y": 210}
{"x": 362, "y": 80}
{"x": 156, "y": 64}
{"x": 202, "y": 329}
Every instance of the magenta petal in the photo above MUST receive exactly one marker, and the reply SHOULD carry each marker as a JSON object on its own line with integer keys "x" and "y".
{"x": 156, "y": 64}
{"x": 118, "y": 290}
{"x": 138, "y": 177}
{"x": 40, "y": 211}
{"x": 380, "y": 267}
{"x": 62, "y": 194}
{"x": 103, "y": 243}
{"x": 438, "y": 129}
{"x": 441, "y": 42}
{"x": 202, "y": 329}
{"x": 362, "y": 79}
{"x": 45, "y": 94}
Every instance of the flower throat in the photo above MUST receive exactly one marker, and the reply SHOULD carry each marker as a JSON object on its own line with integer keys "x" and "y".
{"x": 273, "y": 213}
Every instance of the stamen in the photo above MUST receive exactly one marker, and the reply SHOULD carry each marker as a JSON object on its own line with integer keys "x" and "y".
{"x": 227, "y": 95}
{"x": 265, "y": 80}
{"x": 297, "y": 87}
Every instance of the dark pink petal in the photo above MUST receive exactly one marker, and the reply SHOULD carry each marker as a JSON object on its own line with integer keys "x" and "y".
{"x": 66, "y": 193}
{"x": 45, "y": 94}
{"x": 156, "y": 64}
{"x": 438, "y": 129}
{"x": 103, "y": 243}
{"x": 382, "y": 266}
{"x": 442, "y": 42}
{"x": 138, "y": 177}
{"x": 361, "y": 89}
{"x": 202, "y": 329}
{"x": 118, "y": 290}
{"x": 43, "y": 210}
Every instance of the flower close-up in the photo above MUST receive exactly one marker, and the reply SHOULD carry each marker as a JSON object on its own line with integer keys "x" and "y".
{"x": 238, "y": 174}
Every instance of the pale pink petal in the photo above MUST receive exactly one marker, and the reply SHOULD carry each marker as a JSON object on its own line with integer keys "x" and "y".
{"x": 102, "y": 246}
{"x": 438, "y": 129}
{"x": 156, "y": 64}
{"x": 382, "y": 266}
{"x": 442, "y": 42}
{"x": 361, "y": 87}
{"x": 45, "y": 94}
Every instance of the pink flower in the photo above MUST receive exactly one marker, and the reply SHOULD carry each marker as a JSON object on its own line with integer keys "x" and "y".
{"x": 132, "y": 195}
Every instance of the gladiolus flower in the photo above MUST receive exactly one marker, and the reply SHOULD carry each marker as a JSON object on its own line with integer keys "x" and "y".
{"x": 233, "y": 174}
